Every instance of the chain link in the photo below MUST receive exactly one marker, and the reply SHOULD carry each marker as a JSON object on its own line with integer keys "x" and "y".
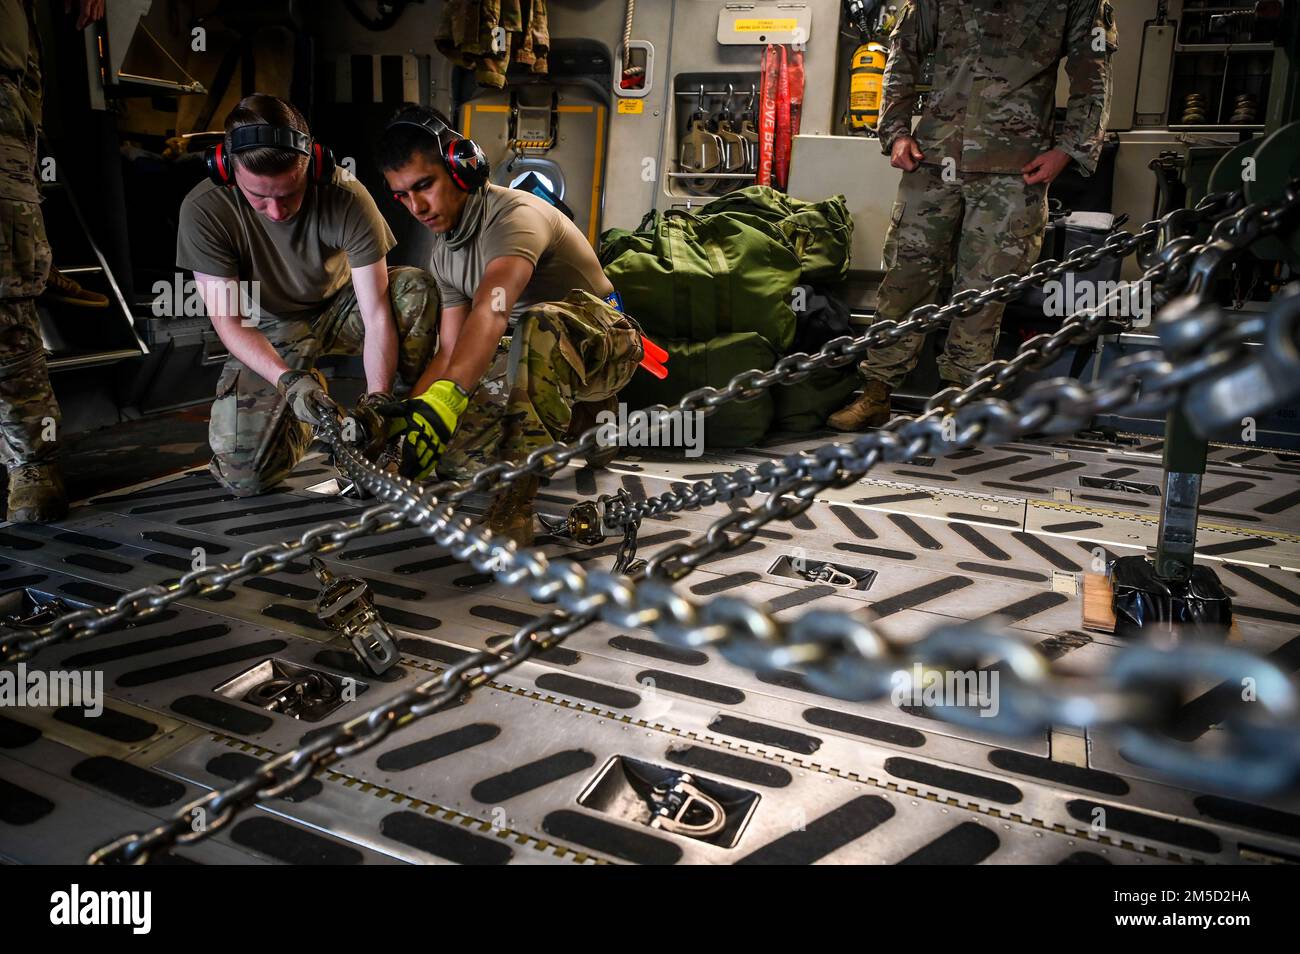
{"x": 839, "y": 653}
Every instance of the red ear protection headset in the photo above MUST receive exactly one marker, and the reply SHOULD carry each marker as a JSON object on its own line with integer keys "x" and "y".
{"x": 221, "y": 169}
{"x": 464, "y": 160}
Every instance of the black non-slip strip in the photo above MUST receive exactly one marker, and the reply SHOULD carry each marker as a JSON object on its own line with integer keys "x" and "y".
{"x": 854, "y": 523}
{"x": 787, "y": 680}
{"x": 560, "y": 655}
{"x": 1264, "y": 583}
{"x": 95, "y": 592}
{"x": 182, "y": 542}
{"x": 110, "y": 723}
{"x": 721, "y": 583}
{"x": 292, "y": 845}
{"x": 1032, "y": 475}
{"x": 592, "y": 691}
{"x": 1278, "y": 504}
{"x": 1045, "y": 550}
{"x": 1227, "y": 490}
{"x": 397, "y": 546}
{"x": 349, "y": 664}
{"x": 1244, "y": 456}
{"x": 395, "y": 591}
{"x": 753, "y": 546}
{"x": 1227, "y": 515}
{"x": 1031, "y": 606}
{"x": 183, "y": 667}
{"x": 444, "y": 840}
{"x": 980, "y": 542}
{"x": 977, "y": 786}
{"x": 919, "y": 536}
{"x": 234, "y": 766}
{"x": 1083, "y": 858}
{"x": 801, "y": 521}
{"x": 732, "y": 766}
{"x": 820, "y": 837}
{"x": 290, "y": 591}
{"x": 609, "y": 549}
{"x": 1273, "y": 616}
{"x": 634, "y": 486}
{"x": 1016, "y": 488}
{"x": 223, "y": 715}
{"x": 428, "y": 649}
{"x": 967, "y": 844}
{"x": 1232, "y": 812}
{"x": 1214, "y": 705}
{"x": 18, "y": 806}
{"x": 657, "y": 650}
{"x": 86, "y": 540}
{"x": 533, "y": 775}
{"x": 18, "y": 582}
{"x": 1054, "y": 647}
{"x": 500, "y": 614}
{"x": 766, "y": 734}
{"x": 1116, "y": 501}
{"x": 173, "y": 505}
{"x": 1119, "y": 472}
{"x": 299, "y": 615}
{"x": 889, "y": 498}
{"x": 186, "y": 485}
{"x": 224, "y": 514}
{"x": 607, "y": 838}
{"x": 584, "y": 481}
{"x": 922, "y": 475}
{"x": 438, "y": 747}
{"x": 9, "y": 542}
{"x": 291, "y": 522}
{"x": 864, "y": 727}
{"x": 1006, "y": 572}
{"x": 919, "y": 595}
{"x": 1235, "y": 546}
{"x": 800, "y": 597}
{"x": 684, "y": 685}
{"x": 1142, "y": 825}
{"x": 128, "y": 781}
{"x": 171, "y": 561}
{"x": 971, "y": 469}
{"x": 407, "y": 619}
{"x": 882, "y": 552}
{"x": 1072, "y": 526}
{"x": 1073, "y": 775}
{"x": 14, "y": 734}
{"x": 981, "y": 518}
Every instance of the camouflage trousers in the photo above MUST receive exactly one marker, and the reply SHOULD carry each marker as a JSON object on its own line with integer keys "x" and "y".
{"x": 29, "y": 414}
{"x": 256, "y": 440}
{"x": 977, "y": 228}
{"x": 580, "y": 350}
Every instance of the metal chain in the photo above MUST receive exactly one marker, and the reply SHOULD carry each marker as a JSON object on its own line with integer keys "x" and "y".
{"x": 141, "y": 604}
{"x": 840, "y": 653}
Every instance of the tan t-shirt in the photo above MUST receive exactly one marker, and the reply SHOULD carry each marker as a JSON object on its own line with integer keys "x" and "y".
{"x": 515, "y": 222}
{"x": 301, "y": 263}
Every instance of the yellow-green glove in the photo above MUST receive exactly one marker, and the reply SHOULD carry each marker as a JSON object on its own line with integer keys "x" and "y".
{"x": 424, "y": 425}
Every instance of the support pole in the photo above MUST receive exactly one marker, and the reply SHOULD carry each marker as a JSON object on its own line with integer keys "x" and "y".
{"x": 1184, "y": 465}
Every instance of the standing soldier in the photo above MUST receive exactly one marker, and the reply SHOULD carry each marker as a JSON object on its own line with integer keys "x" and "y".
{"x": 502, "y": 258}
{"x": 29, "y": 414}
{"x": 977, "y": 169}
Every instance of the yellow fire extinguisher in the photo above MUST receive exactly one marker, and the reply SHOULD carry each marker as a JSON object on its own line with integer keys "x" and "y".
{"x": 866, "y": 81}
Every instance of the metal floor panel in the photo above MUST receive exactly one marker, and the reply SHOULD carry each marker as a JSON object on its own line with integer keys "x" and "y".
{"x": 497, "y": 779}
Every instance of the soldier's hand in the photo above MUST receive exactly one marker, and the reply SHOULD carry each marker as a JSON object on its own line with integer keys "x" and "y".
{"x": 905, "y": 154}
{"x": 1045, "y": 166}
{"x": 305, "y": 392}
{"x": 91, "y": 11}
{"x": 424, "y": 425}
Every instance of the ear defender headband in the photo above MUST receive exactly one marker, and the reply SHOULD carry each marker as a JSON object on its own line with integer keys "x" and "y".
{"x": 221, "y": 169}
{"x": 465, "y": 162}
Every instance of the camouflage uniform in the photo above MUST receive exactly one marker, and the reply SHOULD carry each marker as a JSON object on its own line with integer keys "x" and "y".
{"x": 968, "y": 209}
{"x": 580, "y": 350}
{"x": 467, "y": 35}
{"x": 27, "y": 404}
{"x": 256, "y": 440}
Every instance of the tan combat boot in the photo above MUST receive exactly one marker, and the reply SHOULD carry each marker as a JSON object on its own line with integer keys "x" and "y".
{"x": 585, "y": 417}
{"x": 868, "y": 409}
{"x": 511, "y": 513}
{"x": 36, "y": 493}
{"x": 62, "y": 289}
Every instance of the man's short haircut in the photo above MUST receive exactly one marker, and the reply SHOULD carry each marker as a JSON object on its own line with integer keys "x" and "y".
{"x": 264, "y": 109}
{"x": 399, "y": 144}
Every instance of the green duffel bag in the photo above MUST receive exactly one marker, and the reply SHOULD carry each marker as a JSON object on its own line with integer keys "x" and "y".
{"x": 805, "y": 406}
{"x": 820, "y": 234}
{"x": 697, "y": 364}
{"x": 692, "y": 279}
